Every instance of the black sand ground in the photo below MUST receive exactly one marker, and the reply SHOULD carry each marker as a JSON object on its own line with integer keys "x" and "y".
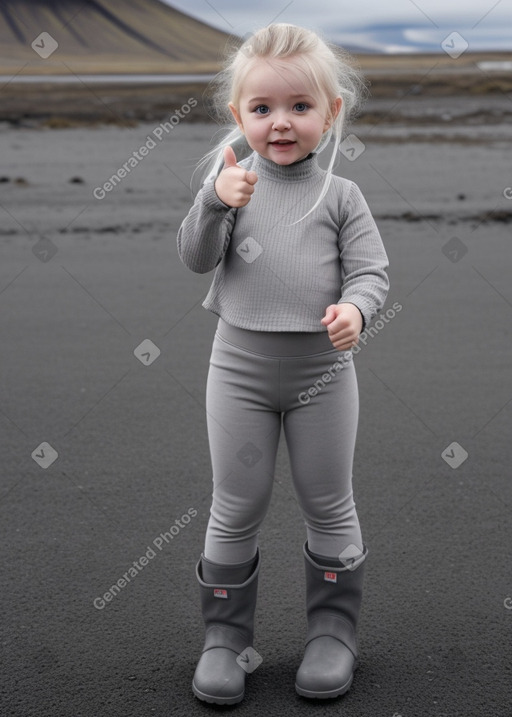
{"x": 84, "y": 281}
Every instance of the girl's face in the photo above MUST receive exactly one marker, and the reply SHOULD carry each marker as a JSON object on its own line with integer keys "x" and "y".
{"x": 281, "y": 115}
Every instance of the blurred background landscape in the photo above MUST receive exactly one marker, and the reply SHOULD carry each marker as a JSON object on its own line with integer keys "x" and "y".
{"x": 115, "y": 62}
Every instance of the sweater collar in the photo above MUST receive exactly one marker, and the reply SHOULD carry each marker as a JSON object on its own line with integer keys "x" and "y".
{"x": 296, "y": 172}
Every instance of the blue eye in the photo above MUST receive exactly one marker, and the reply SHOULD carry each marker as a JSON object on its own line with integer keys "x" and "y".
{"x": 301, "y": 106}
{"x": 261, "y": 110}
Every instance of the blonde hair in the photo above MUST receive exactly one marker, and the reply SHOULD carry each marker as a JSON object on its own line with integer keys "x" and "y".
{"x": 327, "y": 66}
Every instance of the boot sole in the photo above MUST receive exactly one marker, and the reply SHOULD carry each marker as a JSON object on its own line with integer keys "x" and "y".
{"x": 215, "y": 699}
{"x": 329, "y": 694}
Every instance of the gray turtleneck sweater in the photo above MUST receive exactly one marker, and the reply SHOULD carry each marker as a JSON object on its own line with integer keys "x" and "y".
{"x": 270, "y": 276}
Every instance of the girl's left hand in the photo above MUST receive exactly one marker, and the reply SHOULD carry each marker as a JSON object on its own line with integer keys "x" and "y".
{"x": 344, "y": 324}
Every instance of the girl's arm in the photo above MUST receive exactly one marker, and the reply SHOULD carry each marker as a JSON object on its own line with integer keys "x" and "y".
{"x": 204, "y": 234}
{"x": 364, "y": 261}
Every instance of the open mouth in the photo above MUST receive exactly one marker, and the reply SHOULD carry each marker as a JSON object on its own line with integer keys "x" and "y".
{"x": 282, "y": 145}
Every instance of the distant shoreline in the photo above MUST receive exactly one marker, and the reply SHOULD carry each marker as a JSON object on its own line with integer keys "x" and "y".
{"x": 103, "y": 99}
{"x": 500, "y": 68}
{"x": 102, "y": 79}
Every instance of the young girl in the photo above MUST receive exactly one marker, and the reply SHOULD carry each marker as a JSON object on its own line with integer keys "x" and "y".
{"x": 300, "y": 270}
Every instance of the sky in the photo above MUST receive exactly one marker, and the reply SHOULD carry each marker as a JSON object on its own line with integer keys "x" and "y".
{"x": 398, "y": 26}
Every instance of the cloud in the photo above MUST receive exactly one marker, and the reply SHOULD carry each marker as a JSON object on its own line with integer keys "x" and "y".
{"x": 370, "y": 24}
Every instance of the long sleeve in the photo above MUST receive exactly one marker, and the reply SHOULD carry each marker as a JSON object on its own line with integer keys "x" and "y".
{"x": 204, "y": 234}
{"x": 276, "y": 274}
{"x": 364, "y": 260}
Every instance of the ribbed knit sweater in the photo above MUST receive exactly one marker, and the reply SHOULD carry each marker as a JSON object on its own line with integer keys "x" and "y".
{"x": 270, "y": 276}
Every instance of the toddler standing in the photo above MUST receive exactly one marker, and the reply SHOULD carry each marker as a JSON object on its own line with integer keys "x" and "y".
{"x": 300, "y": 270}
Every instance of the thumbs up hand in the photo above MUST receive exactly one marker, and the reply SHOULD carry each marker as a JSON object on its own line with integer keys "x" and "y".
{"x": 234, "y": 185}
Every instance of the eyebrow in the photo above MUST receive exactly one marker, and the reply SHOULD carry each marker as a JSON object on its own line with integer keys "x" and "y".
{"x": 304, "y": 96}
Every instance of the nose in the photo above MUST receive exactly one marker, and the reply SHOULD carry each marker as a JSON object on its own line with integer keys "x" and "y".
{"x": 281, "y": 122}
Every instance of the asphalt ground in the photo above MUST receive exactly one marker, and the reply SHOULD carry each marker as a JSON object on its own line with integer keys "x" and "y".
{"x": 83, "y": 282}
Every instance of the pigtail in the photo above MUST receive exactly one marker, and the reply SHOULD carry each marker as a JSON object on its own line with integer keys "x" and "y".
{"x": 352, "y": 88}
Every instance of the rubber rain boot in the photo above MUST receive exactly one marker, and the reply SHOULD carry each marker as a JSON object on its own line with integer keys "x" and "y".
{"x": 228, "y": 612}
{"x": 333, "y": 601}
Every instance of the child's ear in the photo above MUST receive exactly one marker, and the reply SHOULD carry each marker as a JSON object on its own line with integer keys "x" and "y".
{"x": 236, "y": 115}
{"x": 335, "y": 110}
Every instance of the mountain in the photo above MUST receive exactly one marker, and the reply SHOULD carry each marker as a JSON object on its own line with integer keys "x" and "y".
{"x": 99, "y": 36}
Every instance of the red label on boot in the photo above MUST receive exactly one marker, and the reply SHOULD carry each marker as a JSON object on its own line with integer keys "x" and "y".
{"x": 330, "y": 577}
{"x": 220, "y": 593}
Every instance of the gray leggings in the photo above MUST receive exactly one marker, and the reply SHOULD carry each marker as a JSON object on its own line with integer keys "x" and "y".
{"x": 254, "y": 379}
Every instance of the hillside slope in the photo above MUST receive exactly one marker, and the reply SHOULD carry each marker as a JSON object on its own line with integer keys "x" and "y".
{"x": 98, "y": 36}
